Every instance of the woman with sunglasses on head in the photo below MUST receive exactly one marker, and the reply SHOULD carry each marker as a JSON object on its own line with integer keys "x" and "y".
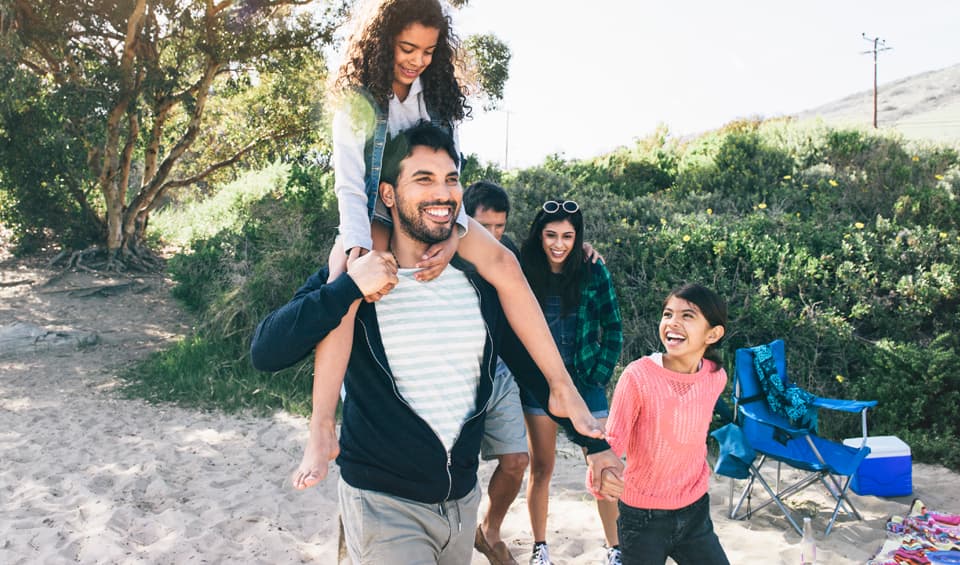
{"x": 580, "y": 306}
{"x": 399, "y": 70}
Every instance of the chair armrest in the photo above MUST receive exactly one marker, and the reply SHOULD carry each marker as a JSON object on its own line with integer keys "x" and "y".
{"x": 852, "y": 406}
{"x": 775, "y": 421}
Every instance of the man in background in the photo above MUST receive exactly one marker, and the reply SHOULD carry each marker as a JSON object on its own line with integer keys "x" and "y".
{"x": 504, "y": 435}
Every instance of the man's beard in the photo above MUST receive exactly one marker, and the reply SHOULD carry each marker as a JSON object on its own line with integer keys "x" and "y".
{"x": 414, "y": 225}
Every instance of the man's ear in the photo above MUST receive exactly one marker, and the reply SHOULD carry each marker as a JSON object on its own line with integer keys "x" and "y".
{"x": 387, "y": 194}
{"x": 715, "y": 334}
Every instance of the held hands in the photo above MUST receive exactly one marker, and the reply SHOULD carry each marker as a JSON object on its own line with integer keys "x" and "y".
{"x": 605, "y": 475}
{"x": 436, "y": 258}
{"x": 374, "y": 272}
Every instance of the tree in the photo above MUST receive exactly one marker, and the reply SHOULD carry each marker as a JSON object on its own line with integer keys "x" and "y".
{"x": 490, "y": 58}
{"x": 110, "y": 105}
{"x": 125, "y": 90}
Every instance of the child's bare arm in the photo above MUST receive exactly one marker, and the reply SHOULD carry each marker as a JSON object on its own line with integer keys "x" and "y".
{"x": 498, "y": 266}
{"x": 437, "y": 256}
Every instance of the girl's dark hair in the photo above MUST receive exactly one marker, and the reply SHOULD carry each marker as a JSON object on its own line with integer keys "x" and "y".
{"x": 370, "y": 58}
{"x": 537, "y": 269}
{"x": 713, "y": 308}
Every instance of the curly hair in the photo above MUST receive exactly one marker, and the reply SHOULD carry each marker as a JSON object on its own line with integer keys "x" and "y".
{"x": 369, "y": 59}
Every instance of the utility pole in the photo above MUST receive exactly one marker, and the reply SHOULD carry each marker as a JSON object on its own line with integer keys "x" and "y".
{"x": 878, "y": 45}
{"x": 506, "y": 142}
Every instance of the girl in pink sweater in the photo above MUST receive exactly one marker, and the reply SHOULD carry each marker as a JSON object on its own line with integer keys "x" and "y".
{"x": 659, "y": 418}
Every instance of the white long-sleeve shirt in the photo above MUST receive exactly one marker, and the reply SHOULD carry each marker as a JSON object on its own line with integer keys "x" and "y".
{"x": 349, "y": 167}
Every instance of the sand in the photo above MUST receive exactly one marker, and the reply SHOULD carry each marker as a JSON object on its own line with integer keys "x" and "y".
{"x": 87, "y": 476}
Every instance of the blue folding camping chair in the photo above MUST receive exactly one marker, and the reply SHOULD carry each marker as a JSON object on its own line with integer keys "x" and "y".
{"x": 776, "y": 437}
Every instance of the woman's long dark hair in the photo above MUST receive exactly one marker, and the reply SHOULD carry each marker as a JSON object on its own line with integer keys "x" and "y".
{"x": 370, "y": 58}
{"x": 537, "y": 269}
{"x": 713, "y": 308}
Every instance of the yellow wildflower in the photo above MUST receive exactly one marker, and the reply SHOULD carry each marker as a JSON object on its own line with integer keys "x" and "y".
{"x": 915, "y": 158}
{"x": 840, "y": 378}
{"x": 762, "y": 205}
{"x": 938, "y": 177}
{"x": 943, "y": 235}
{"x": 663, "y": 221}
{"x": 858, "y": 225}
{"x": 709, "y": 211}
{"x": 787, "y": 177}
{"x": 833, "y": 183}
{"x": 686, "y": 238}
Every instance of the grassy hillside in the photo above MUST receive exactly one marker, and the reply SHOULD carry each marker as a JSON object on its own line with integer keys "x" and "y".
{"x": 921, "y": 107}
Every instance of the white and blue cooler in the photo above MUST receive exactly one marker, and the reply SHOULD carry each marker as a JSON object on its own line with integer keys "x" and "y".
{"x": 887, "y": 470}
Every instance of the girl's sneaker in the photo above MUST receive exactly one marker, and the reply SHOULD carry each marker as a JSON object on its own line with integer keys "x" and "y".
{"x": 613, "y": 556}
{"x": 541, "y": 556}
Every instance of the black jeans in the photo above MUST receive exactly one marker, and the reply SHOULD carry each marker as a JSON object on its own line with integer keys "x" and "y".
{"x": 648, "y": 537}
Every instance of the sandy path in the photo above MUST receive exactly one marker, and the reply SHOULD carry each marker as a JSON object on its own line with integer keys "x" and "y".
{"x": 89, "y": 477}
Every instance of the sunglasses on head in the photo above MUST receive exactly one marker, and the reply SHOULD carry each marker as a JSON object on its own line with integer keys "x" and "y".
{"x": 554, "y": 206}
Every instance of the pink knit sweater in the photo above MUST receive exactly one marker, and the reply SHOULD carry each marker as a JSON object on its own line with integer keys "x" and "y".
{"x": 660, "y": 419}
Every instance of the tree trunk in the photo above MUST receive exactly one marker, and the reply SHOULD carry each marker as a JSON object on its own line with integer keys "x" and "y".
{"x": 154, "y": 184}
{"x": 110, "y": 175}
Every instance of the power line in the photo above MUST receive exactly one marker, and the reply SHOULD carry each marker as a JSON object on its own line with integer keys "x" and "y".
{"x": 878, "y": 45}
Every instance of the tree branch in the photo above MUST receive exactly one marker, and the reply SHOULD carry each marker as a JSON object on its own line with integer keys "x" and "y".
{"x": 221, "y": 164}
{"x": 133, "y": 133}
{"x": 30, "y": 25}
{"x": 115, "y": 195}
{"x": 214, "y": 9}
{"x": 232, "y": 159}
{"x": 152, "y": 187}
{"x": 152, "y": 153}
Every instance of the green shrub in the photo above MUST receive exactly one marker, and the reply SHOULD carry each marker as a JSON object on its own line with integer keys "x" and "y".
{"x": 45, "y": 174}
{"x": 918, "y": 385}
{"x": 267, "y": 247}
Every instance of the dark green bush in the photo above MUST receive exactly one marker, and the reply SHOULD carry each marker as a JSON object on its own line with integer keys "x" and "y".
{"x": 45, "y": 175}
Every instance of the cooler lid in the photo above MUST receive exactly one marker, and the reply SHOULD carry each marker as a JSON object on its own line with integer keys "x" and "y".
{"x": 880, "y": 446}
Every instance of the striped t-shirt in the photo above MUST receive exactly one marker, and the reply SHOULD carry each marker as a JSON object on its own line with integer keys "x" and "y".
{"x": 434, "y": 334}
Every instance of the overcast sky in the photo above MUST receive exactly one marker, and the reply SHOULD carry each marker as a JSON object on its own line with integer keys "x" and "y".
{"x": 588, "y": 76}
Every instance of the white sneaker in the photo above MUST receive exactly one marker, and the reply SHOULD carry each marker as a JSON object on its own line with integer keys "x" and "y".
{"x": 541, "y": 556}
{"x": 613, "y": 556}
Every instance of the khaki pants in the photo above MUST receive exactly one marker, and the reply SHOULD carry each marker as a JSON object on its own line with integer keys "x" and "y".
{"x": 382, "y": 529}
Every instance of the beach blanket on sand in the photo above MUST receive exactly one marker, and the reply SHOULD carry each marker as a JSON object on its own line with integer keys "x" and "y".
{"x": 922, "y": 532}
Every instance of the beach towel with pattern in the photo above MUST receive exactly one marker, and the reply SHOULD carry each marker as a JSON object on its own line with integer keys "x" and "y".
{"x": 919, "y": 533}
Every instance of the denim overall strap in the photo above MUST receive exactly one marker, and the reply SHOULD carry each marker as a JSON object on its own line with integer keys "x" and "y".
{"x": 442, "y": 124}
{"x": 445, "y": 125}
{"x": 372, "y": 179}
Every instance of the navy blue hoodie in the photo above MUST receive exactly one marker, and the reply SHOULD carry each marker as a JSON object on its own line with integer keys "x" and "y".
{"x": 384, "y": 445}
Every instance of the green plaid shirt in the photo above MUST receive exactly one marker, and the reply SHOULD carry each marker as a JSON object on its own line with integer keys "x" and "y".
{"x": 599, "y": 338}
